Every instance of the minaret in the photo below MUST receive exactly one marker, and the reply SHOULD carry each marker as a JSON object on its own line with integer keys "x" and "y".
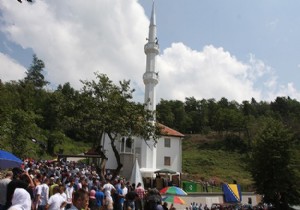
{"x": 150, "y": 77}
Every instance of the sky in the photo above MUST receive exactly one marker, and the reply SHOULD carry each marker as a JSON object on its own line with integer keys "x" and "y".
{"x": 208, "y": 48}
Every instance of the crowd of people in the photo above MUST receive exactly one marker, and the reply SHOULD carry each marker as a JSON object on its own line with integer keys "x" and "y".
{"x": 62, "y": 186}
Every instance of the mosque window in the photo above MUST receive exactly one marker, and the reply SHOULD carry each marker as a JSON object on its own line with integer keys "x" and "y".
{"x": 167, "y": 142}
{"x": 167, "y": 161}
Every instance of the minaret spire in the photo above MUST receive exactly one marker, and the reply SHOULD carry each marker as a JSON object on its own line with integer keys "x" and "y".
{"x": 150, "y": 77}
{"x": 153, "y": 18}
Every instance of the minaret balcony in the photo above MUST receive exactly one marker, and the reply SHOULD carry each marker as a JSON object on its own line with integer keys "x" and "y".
{"x": 151, "y": 47}
{"x": 150, "y": 77}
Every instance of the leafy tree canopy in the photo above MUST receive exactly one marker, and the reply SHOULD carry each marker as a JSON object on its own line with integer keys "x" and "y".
{"x": 271, "y": 167}
{"x": 34, "y": 74}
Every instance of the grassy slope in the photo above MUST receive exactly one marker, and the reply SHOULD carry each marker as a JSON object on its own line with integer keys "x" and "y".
{"x": 204, "y": 158}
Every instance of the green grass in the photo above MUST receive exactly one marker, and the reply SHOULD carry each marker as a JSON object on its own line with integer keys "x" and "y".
{"x": 205, "y": 159}
{"x": 73, "y": 147}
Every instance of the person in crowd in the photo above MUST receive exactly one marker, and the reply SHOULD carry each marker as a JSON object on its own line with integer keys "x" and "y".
{"x": 56, "y": 201}
{"x": 55, "y": 183}
{"x": 165, "y": 206}
{"x": 80, "y": 200}
{"x": 118, "y": 198}
{"x": 133, "y": 186}
{"x": 94, "y": 185}
{"x": 35, "y": 201}
{"x": 117, "y": 183}
{"x": 42, "y": 195}
{"x": 153, "y": 200}
{"x": 69, "y": 193}
{"x": 100, "y": 198}
{"x": 108, "y": 200}
{"x": 124, "y": 188}
{"x": 21, "y": 200}
{"x": 3, "y": 188}
{"x": 140, "y": 191}
{"x": 63, "y": 194}
{"x": 93, "y": 201}
{"x": 128, "y": 186}
{"x": 108, "y": 186}
{"x": 82, "y": 184}
{"x": 79, "y": 180}
{"x": 31, "y": 184}
{"x": 51, "y": 181}
{"x": 130, "y": 200}
{"x": 20, "y": 179}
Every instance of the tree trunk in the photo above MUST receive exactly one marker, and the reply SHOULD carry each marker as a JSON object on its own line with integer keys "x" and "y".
{"x": 117, "y": 156}
{"x": 102, "y": 168}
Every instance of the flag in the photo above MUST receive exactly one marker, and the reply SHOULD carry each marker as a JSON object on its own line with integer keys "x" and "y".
{"x": 232, "y": 193}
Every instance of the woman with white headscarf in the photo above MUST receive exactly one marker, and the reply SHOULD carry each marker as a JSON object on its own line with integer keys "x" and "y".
{"x": 21, "y": 200}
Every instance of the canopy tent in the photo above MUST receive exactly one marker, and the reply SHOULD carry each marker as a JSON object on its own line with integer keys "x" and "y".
{"x": 148, "y": 172}
{"x": 165, "y": 171}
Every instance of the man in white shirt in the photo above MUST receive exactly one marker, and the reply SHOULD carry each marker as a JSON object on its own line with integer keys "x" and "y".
{"x": 69, "y": 193}
{"x": 125, "y": 189}
{"x": 42, "y": 194}
{"x": 108, "y": 186}
{"x": 56, "y": 201}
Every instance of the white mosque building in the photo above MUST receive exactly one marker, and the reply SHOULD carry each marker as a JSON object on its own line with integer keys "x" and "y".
{"x": 150, "y": 156}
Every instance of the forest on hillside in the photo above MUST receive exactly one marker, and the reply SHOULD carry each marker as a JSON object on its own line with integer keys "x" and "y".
{"x": 237, "y": 123}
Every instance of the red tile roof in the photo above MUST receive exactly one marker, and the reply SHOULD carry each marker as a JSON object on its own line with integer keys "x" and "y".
{"x": 92, "y": 151}
{"x": 166, "y": 131}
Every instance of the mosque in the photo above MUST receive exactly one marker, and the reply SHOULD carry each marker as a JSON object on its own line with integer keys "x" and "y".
{"x": 150, "y": 156}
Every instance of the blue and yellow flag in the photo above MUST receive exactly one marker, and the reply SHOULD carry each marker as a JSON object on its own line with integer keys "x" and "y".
{"x": 232, "y": 193}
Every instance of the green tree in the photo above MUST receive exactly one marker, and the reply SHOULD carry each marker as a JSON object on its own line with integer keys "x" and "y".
{"x": 196, "y": 113}
{"x": 173, "y": 114}
{"x": 165, "y": 114}
{"x": 17, "y": 130}
{"x": 72, "y": 107}
{"x": 34, "y": 74}
{"x": 54, "y": 137}
{"x": 271, "y": 167}
{"x": 111, "y": 108}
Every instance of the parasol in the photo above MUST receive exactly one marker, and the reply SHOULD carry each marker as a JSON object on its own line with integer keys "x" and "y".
{"x": 9, "y": 160}
{"x": 173, "y": 190}
{"x": 174, "y": 199}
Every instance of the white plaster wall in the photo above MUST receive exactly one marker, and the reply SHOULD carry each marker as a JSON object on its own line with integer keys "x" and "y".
{"x": 145, "y": 158}
{"x": 174, "y": 152}
{"x": 111, "y": 162}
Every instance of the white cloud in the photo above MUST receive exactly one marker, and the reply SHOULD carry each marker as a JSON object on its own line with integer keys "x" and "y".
{"x": 76, "y": 38}
{"x": 212, "y": 73}
{"x": 10, "y": 69}
{"x": 284, "y": 90}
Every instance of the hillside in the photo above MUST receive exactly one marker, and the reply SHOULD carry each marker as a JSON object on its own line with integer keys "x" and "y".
{"x": 206, "y": 158}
